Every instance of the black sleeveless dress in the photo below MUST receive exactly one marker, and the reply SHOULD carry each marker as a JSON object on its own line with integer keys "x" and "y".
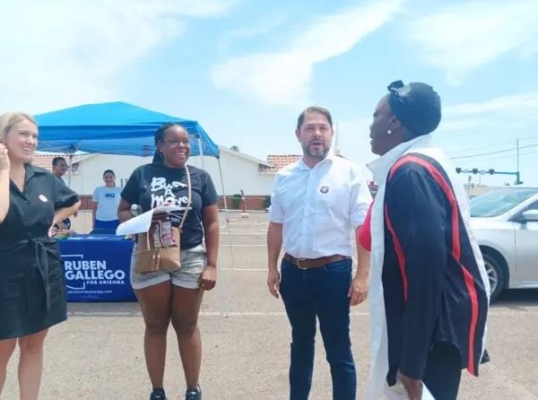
{"x": 32, "y": 283}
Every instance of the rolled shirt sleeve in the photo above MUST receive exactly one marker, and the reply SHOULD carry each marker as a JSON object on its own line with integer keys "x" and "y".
{"x": 276, "y": 211}
{"x": 360, "y": 197}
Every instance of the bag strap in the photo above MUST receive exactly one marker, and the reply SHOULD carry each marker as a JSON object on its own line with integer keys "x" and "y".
{"x": 189, "y": 189}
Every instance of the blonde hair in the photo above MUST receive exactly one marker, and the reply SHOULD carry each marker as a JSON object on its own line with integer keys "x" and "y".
{"x": 7, "y": 121}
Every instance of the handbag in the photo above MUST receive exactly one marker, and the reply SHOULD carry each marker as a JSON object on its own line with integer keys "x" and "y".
{"x": 159, "y": 249}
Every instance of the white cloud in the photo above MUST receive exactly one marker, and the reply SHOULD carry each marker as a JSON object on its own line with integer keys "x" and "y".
{"x": 507, "y": 112}
{"x": 283, "y": 77}
{"x": 62, "y": 53}
{"x": 257, "y": 29}
{"x": 354, "y": 141}
{"x": 521, "y": 103}
{"x": 463, "y": 37}
{"x": 488, "y": 123}
{"x": 468, "y": 130}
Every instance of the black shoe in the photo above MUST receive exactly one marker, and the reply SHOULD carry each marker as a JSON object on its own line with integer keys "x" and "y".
{"x": 194, "y": 394}
{"x": 158, "y": 394}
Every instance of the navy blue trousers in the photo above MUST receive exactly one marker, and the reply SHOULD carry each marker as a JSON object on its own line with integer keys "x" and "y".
{"x": 319, "y": 293}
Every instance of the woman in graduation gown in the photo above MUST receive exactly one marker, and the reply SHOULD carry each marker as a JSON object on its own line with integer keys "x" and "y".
{"x": 32, "y": 288}
{"x": 429, "y": 291}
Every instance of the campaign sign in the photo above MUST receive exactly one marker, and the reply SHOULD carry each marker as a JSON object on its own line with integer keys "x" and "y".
{"x": 97, "y": 269}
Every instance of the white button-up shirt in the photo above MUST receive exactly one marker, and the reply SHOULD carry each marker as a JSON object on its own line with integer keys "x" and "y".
{"x": 320, "y": 207}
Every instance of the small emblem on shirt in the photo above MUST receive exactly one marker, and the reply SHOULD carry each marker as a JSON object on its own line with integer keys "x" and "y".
{"x": 43, "y": 198}
{"x": 324, "y": 189}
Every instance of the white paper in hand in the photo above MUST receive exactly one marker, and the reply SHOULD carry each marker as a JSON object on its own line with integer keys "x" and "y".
{"x": 142, "y": 222}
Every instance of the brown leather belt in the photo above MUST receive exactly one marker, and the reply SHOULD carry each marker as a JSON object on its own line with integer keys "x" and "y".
{"x": 310, "y": 263}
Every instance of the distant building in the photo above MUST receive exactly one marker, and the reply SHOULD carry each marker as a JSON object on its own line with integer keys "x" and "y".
{"x": 278, "y": 161}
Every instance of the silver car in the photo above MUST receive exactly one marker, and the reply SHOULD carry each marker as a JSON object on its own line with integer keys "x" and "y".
{"x": 505, "y": 223}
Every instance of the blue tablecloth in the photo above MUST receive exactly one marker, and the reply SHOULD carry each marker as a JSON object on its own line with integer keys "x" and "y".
{"x": 97, "y": 268}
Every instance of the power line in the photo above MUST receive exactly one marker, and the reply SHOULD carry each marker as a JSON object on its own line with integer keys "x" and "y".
{"x": 493, "y": 145}
{"x": 512, "y": 157}
{"x": 494, "y": 152}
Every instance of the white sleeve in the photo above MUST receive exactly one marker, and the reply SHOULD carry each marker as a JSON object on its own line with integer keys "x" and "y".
{"x": 360, "y": 197}
{"x": 276, "y": 212}
{"x": 95, "y": 197}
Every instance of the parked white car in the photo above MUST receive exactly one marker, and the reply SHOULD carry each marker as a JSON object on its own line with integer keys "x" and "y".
{"x": 505, "y": 223}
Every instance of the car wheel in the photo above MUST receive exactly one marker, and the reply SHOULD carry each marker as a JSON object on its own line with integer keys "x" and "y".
{"x": 495, "y": 275}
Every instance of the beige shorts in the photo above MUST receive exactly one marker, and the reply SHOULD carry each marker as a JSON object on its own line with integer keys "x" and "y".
{"x": 193, "y": 262}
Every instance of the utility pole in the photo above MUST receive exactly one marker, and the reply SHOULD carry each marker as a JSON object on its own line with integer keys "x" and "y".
{"x": 336, "y": 135}
{"x": 518, "y": 176}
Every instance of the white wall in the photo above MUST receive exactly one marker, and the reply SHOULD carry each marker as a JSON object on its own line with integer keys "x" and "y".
{"x": 90, "y": 171}
{"x": 238, "y": 173}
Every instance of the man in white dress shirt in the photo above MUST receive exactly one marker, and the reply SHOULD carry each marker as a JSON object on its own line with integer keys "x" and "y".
{"x": 318, "y": 204}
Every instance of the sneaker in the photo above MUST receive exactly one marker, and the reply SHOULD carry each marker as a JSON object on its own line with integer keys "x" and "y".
{"x": 158, "y": 394}
{"x": 194, "y": 394}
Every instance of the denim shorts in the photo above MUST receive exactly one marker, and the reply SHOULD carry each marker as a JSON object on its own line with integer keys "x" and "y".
{"x": 193, "y": 262}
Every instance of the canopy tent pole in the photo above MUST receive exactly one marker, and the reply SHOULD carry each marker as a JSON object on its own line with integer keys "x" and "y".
{"x": 226, "y": 211}
{"x": 70, "y": 168}
{"x": 201, "y": 150}
{"x": 222, "y": 288}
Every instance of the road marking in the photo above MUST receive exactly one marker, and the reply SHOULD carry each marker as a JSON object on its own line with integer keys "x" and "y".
{"x": 242, "y": 245}
{"x": 246, "y": 269}
{"x": 235, "y": 233}
{"x": 203, "y": 314}
{"x": 257, "y": 313}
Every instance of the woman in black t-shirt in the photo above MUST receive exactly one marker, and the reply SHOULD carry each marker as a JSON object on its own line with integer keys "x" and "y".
{"x": 175, "y": 296}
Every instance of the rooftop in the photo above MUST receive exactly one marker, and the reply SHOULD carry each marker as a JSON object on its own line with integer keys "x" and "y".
{"x": 279, "y": 161}
{"x": 45, "y": 160}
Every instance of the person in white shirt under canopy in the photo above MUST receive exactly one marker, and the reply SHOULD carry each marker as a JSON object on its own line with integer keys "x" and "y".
{"x": 318, "y": 204}
{"x": 106, "y": 200}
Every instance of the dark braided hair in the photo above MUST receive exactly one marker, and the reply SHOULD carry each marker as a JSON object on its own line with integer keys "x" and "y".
{"x": 159, "y": 137}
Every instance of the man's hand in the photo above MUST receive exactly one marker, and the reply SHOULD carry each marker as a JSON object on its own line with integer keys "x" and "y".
{"x": 358, "y": 291}
{"x": 412, "y": 386}
{"x": 273, "y": 282}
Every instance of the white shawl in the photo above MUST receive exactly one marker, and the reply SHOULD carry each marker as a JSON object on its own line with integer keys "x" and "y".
{"x": 377, "y": 387}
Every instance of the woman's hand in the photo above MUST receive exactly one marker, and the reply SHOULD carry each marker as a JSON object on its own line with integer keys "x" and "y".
{"x": 159, "y": 216}
{"x": 53, "y": 230}
{"x": 208, "y": 279}
{"x": 413, "y": 387}
{"x": 4, "y": 158}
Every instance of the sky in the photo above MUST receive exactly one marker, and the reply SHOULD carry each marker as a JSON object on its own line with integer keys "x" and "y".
{"x": 246, "y": 69}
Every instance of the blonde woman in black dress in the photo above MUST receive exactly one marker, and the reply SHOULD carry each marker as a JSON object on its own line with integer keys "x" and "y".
{"x": 32, "y": 288}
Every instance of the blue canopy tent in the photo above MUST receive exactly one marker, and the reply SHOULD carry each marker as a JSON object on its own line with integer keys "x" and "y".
{"x": 117, "y": 128}
{"x": 113, "y": 128}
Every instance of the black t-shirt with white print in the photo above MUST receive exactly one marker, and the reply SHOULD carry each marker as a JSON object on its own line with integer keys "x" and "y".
{"x": 152, "y": 185}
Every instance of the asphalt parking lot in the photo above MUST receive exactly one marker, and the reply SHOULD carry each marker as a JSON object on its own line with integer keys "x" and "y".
{"x": 98, "y": 353}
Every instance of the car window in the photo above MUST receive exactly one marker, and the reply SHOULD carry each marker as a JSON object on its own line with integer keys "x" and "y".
{"x": 533, "y": 206}
{"x": 498, "y": 202}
